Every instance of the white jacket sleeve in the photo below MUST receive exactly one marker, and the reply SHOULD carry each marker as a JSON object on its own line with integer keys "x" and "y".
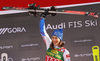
{"x": 66, "y": 55}
{"x": 43, "y": 32}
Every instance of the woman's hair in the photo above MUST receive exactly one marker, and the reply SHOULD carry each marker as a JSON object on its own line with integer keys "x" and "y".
{"x": 61, "y": 44}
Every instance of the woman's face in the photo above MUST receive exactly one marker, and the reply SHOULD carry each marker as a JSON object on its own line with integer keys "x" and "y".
{"x": 55, "y": 40}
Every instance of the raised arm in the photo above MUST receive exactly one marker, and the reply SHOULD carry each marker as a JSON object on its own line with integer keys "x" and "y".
{"x": 43, "y": 32}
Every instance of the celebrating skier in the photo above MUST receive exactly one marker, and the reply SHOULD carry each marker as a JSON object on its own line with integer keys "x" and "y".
{"x": 55, "y": 49}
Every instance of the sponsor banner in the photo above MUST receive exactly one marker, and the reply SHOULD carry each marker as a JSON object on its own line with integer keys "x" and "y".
{"x": 31, "y": 59}
{"x": 6, "y": 47}
{"x": 84, "y": 23}
{"x": 83, "y": 55}
{"x": 83, "y": 41}
{"x": 34, "y": 44}
{"x": 88, "y": 56}
{"x": 58, "y": 26}
{"x": 12, "y": 30}
{"x": 73, "y": 24}
{"x": 9, "y": 59}
{"x": 18, "y": 25}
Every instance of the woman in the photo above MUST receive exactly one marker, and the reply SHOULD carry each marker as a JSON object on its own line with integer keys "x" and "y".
{"x": 55, "y": 49}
